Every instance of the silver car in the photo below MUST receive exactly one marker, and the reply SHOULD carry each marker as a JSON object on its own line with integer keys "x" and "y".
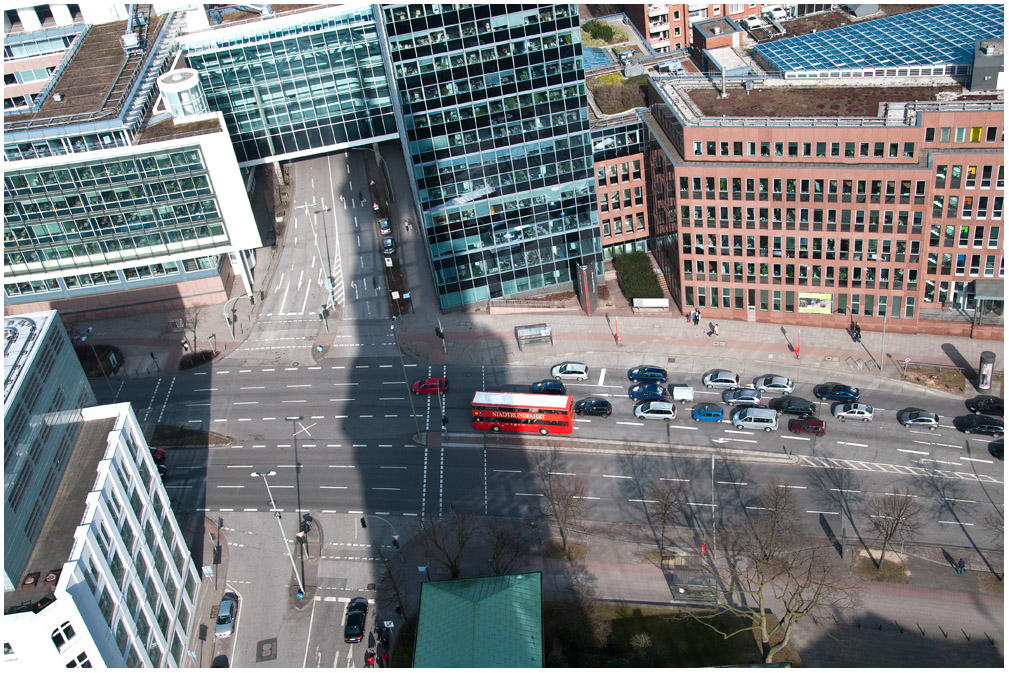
{"x": 918, "y": 418}
{"x": 852, "y": 411}
{"x": 774, "y": 384}
{"x": 720, "y": 378}
{"x": 571, "y": 371}
{"x": 226, "y": 616}
{"x": 662, "y": 411}
{"x": 741, "y": 397}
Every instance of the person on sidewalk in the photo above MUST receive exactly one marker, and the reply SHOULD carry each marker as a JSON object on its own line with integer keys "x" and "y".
{"x": 714, "y": 329}
{"x": 858, "y": 333}
{"x": 697, "y": 318}
{"x": 959, "y": 567}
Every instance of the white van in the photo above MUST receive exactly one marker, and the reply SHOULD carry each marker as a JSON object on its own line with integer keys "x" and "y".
{"x": 681, "y": 394}
{"x": 755, "y": 419}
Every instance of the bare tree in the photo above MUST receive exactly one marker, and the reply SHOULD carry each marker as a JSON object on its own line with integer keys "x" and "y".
{"x": 668, "y": 502}
{"x": 446, "y": 538}
{"x": 507, "y": 543}
{"x": 390, "y": 580}
{"x": 892, "y": 514}
{"x": 567, "y": 503}
{"x": 768, "y": 568}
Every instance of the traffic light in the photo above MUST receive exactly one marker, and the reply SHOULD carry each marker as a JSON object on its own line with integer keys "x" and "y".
{"x": 439, "y": 332}
{"x": 364, "y": 524}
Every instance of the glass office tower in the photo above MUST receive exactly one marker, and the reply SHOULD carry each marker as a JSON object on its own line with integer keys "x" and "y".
{"x": 496, "y": 125}
{"x": 297, "y": 84}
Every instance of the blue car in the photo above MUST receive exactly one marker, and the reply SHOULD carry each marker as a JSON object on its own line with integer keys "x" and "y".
{"x": 836, "y": 391}
{"x": 707, "y": 412}
{"x": 647, "y": 391}
{"x": 646, "y": 374}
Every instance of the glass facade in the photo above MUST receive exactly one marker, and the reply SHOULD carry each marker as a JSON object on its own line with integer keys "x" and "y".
{"x": 496, "y": 126}
{"x": 82, "y": 215}
{"x": 296, "y": 83}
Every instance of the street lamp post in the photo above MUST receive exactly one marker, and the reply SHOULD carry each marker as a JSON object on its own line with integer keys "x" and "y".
{"x": 882, "y": 345}
{"x": 84, "y": 339}
{"x": 273, "y": 505}
{"x": 406, "y": 380}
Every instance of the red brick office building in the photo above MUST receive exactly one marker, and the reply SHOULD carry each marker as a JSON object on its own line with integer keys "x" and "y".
{"x": 822, "y": 221}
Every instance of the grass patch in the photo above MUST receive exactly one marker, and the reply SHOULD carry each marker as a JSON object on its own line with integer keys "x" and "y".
{"x": 177, "y": 435}
{"x": 639, "y": 637}
{"x": 991, "y": 584}
{"x": 554, "y": 549}
{"x": 636, "y": 276}
{"x": 949, "y": 380}
{"x": 615, "y": 97}
{"x": 894, "y": 569}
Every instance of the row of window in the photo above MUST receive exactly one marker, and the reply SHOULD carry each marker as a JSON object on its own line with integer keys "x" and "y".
{"x": 956, "y": 172}
{"x": 634, "y": 223}
{"x": 628, "y": 170}
{"x": 736, "y": 148}
{"x": 78, "y": 177}
{"x": 518, "y": 180}
{"x": 612, "y": 200}
{"x": 471, "y": 239}
{"x": 771, "y": 300}
{"x": 510, "y": 261}
{"x": 53, "y": 147}
{"x": 100, "y": 278}
{"x": 962, "y": 134}
{"x": 967, "y": 212}
{"x": 495, "y": 112}
{"x": 534, "y": 207}
{"x": 533, "y": 77}
{"x": 698, "y": 216}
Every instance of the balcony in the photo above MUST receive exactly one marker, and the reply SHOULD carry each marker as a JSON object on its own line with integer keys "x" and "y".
{"x": 658, "y": 26}
{"x": 659, "y": 43}
{"x": 658, "y": 10}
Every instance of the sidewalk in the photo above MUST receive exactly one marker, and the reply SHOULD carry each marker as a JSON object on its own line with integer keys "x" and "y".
{"x": 215, "y": 555}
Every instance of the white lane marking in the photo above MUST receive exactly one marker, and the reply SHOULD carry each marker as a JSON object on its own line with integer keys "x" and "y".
{"x": 789, "y": 486}
{"x": 977, "y": 460}
{"x": 293, "y": 401}
{"x": 223, "y": 486}
{"x": 628, "y": 423}
{"x": 237, "y": 403}
{"x": 332, "y": 487}
{"x": 738, "y": 432}
{"x": 959, "y": 500}
{"x": 673, "y": 479}
{"x": 683, "y": 427}
{"x": 732, "y": 483}
{"x": 204, "y": 390}
{"x": 616, "y": 476}
{"x": 392, "y": 467}
{"x": 515, "y": 471}
{"x": 639, "y": 500}
{"x": 534, "y": 495}
{"x": 567, "y": 474}
{"x": 253, "y": 388}
{"x": 852, "y": 444}
{"x": 923, "y": 453}
{"x": 393, "y": 383}
{"x": 585, "y": 497}
{"x": 956, "y": 523}
{"x": 299, "y": 385}
{"x": 804, "y": 439}
{"x": 241, "y": 467}
{"x": 845, "y": 490}
{"x": 345, "y": 384}
{"x": 382, "y": 399}
{"x": 384, "y": 488}
{"x": 602, "y": 375}
{"x": 197, "y": 404}
{"x": 813, "y": 511}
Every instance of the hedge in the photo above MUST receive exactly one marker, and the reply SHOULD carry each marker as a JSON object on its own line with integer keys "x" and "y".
{"x": 636, "y": 277}
{"x": 598, "y": 30}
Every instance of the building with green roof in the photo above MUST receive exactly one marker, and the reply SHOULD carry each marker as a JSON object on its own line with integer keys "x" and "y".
{"x": 482, "y": 622}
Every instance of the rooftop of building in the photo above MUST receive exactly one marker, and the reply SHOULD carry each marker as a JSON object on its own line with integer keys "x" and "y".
{"x": 239, "y": 13}
{"x": 56, "y": 537}
{"x": 164, "y": 127}
{"x": 22, "y": 337}
{"x": 96, "y": 79}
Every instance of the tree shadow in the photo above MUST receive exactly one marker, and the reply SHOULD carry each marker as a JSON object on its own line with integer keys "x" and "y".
{"x": 838, "y": 487}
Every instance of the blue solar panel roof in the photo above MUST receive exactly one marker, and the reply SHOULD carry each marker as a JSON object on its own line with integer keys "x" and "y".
{"x": 935, "y": 36}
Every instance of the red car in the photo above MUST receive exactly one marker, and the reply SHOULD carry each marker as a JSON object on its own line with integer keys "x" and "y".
{"x": 813, "y": 426}
{"x": 158, "y": 455}
{"x": 431, "y": 386}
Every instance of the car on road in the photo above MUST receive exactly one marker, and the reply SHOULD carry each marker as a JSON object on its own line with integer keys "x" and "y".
{"x": 162, "y": 471}
{"x": 707, "y": 412}
{"x": 430, "y": 386}
{"x": 570, "y": 371}
{"x": 662, "y": 411}
{"x": 986, "y": 404}
{"x": 997, "y": 448}
{"x": 774, "y": 384}
{"x": 388, "y": 245}
{"x": 226, "y": 616}
{"x": 548, "y": 387}
{"x": 357, "y": 615}
{"x": 720, "y": 378}
{"x": 742, "y": 397}
{"x": 812, "y": 426}
{"x": 593, "y": 406}
{"x": 796, "y": 406}
{"x": 383, "y": 226}
{"x": 647, "y": 391}
{"x": 852, "y": 411}
{"x": 918, "y": 418}
{"x": 647, "y": 374}
{"x": 836, "y": 391}
{"x": 158, "y": 456}
{"x": 981, "y": 425}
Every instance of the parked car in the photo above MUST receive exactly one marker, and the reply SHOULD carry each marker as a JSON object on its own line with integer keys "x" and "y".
{"x": 226, "y": 616}
{"x": 707, "y": 412}
{"x": 774, "y": 384}
{"x": 383, "y": 226}
{"x": 720, "y": 378}
{"x": 430, "y": 386}
{"x": 593, "y": 406}
{"x": 742, "y": 397}
{"x": 573, "y": 371}
{"x": 997, "y": 448}
{"x": 836, "y": 391}
{"x": 357, "y": 615}
{"x": 162, "y": 471}
{"x": 548, "y": 387}
{"x": 918, "y": 418}
{"x": 158, "y": 456}
{"x": 647, "y": 374}
{"x": 647, "y": 391}
{"x": 986, "y": 404}
{"x": 981, "y": 425}
{"x": 795, "y": 406}
{"x": 388, "y": 245}
{"x": 813, "y": 426}
{"x": 663, "y": 411}
{"x": 852, "y": 411}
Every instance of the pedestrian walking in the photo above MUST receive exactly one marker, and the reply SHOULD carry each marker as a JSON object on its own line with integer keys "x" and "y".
{"x": 858, "y": 333}
{"x": 385, "y": 659}
{"x": 715, "y": 329}
{"x": 369, "y": 659}
{"x": 959, "y": 567}
{"x": 185, "y": 346}
{"x": 697, "y": 317}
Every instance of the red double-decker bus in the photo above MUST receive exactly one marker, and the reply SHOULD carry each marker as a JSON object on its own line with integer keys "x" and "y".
{"x": 523, "y": 412}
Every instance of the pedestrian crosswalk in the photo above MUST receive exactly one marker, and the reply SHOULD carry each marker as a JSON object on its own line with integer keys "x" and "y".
{"x": 825, "y": 462}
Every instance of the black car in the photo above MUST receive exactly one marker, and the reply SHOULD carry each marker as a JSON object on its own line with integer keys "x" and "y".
{"x": 548, "y": 387}
{"x": 647, "y": 374}
{"x": 593, "y": 406}
{"x": 388, "y": 245}
{"x": 794, "y": 405}
{"x": 986, "y": 404}
{"x": 981, "y": 425}
{"x": 836, "y": 391}
{"x": 357, "y": 615}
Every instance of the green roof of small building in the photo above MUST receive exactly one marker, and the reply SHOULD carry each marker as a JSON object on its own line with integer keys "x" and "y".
{"x": 483, "y": 622}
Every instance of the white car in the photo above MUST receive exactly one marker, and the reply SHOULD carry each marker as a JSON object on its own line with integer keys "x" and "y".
{"x": 854, "y": 411}
{"x": 774, "y": 384}
{"x": 571, "y": 371}
{"x": 721, "y": 379}
{"x": 663, "y": 411}
{"x": 226, "y": 616}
